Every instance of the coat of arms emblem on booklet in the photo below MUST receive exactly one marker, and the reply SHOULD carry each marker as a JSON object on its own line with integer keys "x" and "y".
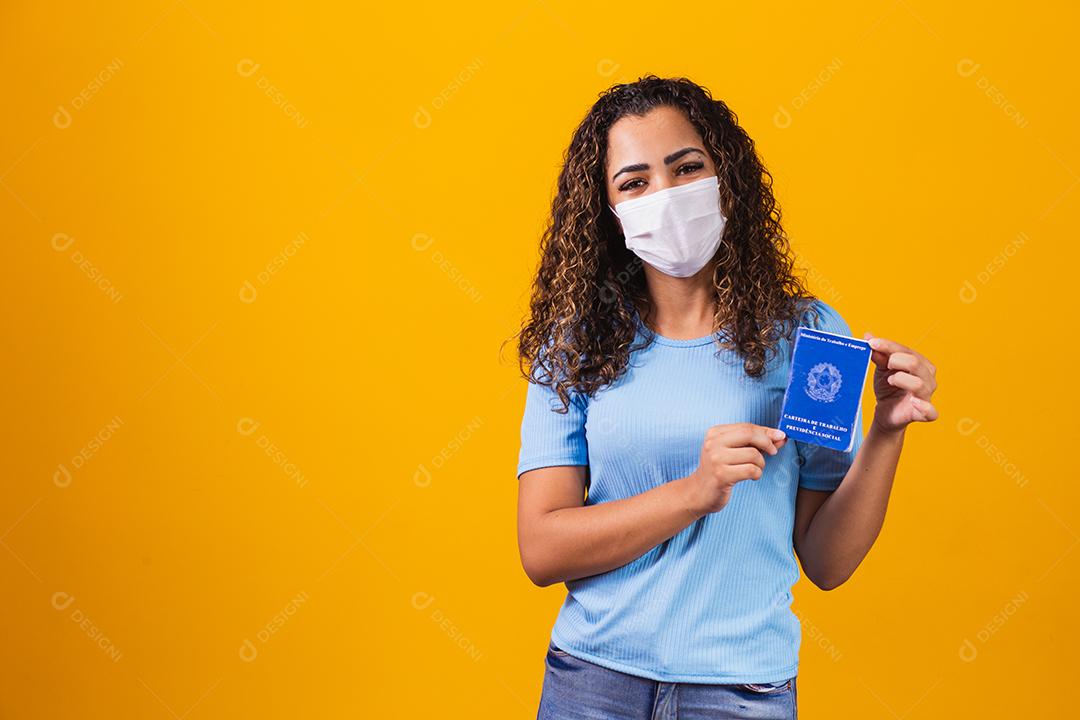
{"x": 821, "y": 403}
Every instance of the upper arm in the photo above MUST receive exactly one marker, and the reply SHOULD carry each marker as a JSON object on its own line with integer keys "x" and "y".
{"x": 807, "y": 503}
{"x": 545, "y": 489}
{"x": 542, "y": 491}
{"x": 552, "y": 467}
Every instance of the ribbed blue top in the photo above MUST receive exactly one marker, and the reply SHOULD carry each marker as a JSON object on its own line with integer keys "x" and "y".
{"x": 713, "y": 603}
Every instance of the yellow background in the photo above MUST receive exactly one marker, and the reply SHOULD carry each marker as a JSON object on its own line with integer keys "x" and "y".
{"x": 255, "y": 281}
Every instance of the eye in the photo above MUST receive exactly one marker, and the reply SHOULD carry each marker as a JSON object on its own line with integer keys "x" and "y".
{"x": 684, "y": 169}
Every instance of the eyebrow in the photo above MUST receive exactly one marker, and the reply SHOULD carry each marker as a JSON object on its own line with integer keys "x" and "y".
{"x": 667, "y": 161}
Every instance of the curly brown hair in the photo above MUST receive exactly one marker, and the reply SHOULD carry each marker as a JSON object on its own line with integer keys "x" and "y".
{"x": 588, "y": 287}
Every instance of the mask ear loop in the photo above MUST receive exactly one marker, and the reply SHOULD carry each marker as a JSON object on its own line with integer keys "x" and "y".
{"x": 617, "y": 220}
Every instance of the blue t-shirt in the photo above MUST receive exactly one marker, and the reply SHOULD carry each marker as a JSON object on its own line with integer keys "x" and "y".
{"x": 712, "y": 604}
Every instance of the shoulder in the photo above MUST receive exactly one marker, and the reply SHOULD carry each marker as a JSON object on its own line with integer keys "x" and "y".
{"x": 550, "y": 371}
{"x": 820, "y": 315}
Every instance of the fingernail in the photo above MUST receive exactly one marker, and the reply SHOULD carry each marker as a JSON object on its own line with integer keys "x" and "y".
{"x": 778, "y": 434}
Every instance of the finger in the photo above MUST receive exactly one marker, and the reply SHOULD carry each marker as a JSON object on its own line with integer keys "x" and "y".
{"x": 912, "y": 383}
{"x": 925, "y": 361}
{"x": 926, "y": 409}
{"x": 914, "y": 364}
{"x": 885, "y": 345}
{"x": 744, "y": 456}
{"x": 773, "y": 433}
{"x": 757, "y": 436}
{"x": 746, "y": 472}
{"x": 922, "y": 359}
{"x": 880, "y": 358}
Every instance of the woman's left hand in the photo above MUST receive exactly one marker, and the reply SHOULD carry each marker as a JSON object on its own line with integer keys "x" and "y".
{"x": 903, "y": 383}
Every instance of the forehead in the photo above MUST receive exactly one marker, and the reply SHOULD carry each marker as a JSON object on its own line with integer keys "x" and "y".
{"x": 647, "y": 138}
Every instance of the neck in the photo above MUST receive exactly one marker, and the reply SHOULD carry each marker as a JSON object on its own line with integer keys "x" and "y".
{"x": 682, "y": 308}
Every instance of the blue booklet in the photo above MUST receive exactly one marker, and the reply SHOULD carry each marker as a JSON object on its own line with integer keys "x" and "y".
{"x": 828, "y": 373}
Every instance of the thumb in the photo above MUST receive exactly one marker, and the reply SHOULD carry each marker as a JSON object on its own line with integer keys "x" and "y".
{"x": 879, "y": 358}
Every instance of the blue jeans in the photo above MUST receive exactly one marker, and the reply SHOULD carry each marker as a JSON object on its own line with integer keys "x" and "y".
{"x": 575, "y": 689}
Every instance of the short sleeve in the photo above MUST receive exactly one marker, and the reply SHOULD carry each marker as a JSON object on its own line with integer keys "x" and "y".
{"x": 549, "y": 437}
{"x": 822, "y": 468}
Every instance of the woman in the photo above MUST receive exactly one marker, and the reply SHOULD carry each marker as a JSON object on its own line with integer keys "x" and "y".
{"x": 658, "y": 350}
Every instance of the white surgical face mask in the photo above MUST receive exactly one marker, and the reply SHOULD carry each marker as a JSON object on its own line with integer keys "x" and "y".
{"x": 676, "y": 230}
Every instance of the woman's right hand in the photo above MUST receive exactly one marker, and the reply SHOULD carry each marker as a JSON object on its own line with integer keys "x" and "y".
{"x": 730, "y": 454}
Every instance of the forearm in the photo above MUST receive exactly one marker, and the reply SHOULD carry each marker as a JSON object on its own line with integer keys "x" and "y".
{"x": 846, "y": 525}
{"x": 575, "y": 542}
